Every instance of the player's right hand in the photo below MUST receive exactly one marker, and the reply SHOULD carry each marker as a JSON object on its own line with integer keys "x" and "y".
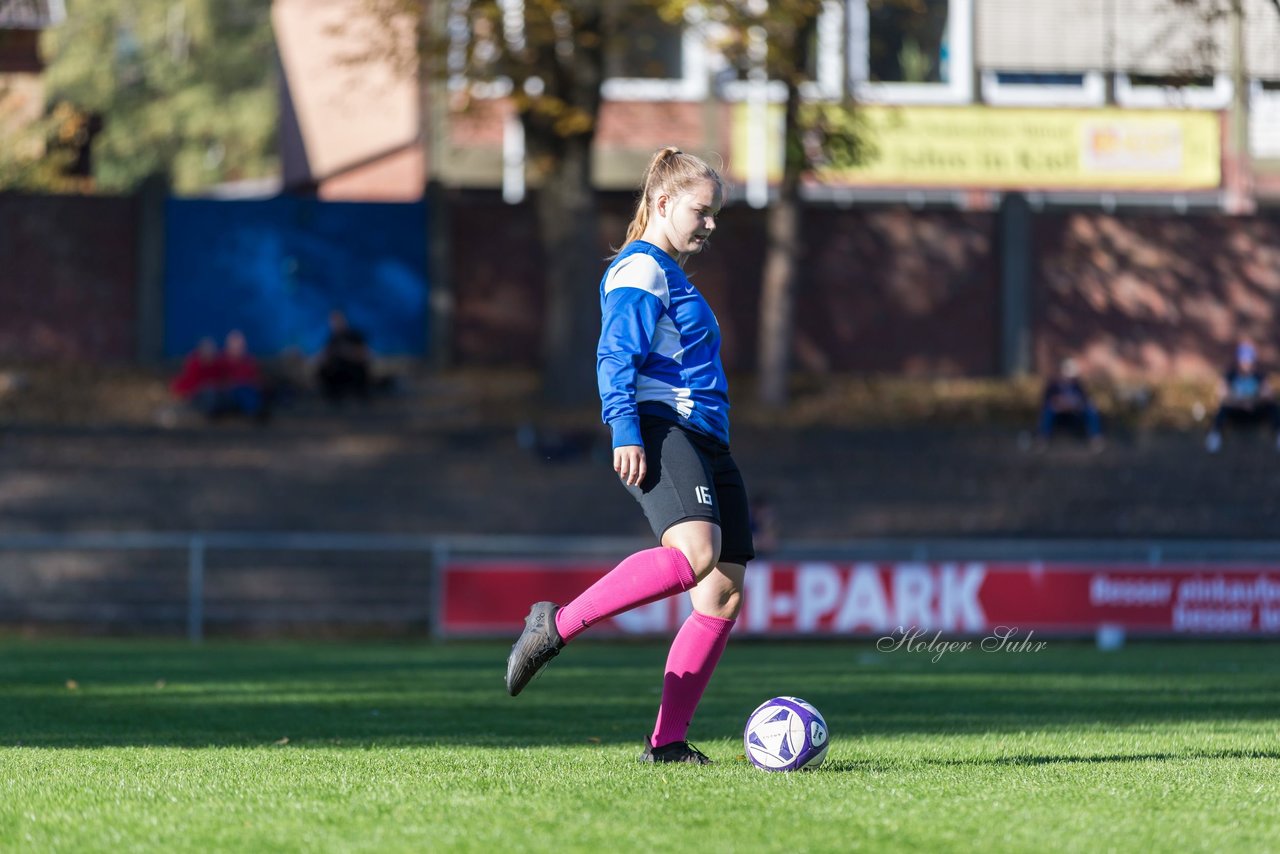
{"x": 628, "y": 462}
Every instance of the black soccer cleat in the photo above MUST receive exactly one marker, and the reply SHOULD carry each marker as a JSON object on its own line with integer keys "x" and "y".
{"x": 676, "y": 751}
{"x": 538, "y": 643}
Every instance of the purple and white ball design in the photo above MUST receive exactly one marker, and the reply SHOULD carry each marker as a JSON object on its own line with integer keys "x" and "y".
{"x": 785, "y": 734}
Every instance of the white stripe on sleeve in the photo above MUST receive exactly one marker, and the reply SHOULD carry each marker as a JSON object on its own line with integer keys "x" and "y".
{"x": 639, "y": 271}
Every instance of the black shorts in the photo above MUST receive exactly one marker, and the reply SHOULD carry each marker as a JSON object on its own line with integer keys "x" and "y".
{"x": 692, "y": 476}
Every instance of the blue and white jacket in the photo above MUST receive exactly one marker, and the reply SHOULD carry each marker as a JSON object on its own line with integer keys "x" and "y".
{"x": 659, "y": 349}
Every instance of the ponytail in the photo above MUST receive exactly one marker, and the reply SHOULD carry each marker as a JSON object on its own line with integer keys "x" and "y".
{"x": 671, "y": 170}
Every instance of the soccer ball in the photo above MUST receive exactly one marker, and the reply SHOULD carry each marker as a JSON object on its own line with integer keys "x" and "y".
{"x": 785, "y": 734}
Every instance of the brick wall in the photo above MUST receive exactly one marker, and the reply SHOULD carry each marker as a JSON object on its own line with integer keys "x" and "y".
{"x": 642, "y": 125}
{"x": 68, "y": 278}
{"x": 881, "y": 290}
{"x": 1153, "y": 296}
{"x": 917, "y": 292}
{"x": 647, "y": 125}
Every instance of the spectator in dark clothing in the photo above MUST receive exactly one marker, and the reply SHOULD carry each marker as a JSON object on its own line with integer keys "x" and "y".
{"x": 1244, "y": 397}
{"x": 1066, "y": 403}
{"x": 345, "y": 363}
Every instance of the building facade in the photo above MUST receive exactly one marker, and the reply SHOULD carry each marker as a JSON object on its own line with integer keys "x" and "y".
{"x": 21, "y": 89}
{"x": 1093, "y": 102}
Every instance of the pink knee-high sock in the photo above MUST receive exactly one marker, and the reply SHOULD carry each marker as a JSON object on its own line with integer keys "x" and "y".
{"x": 644, "y": 577}
{"x": 693, "y": 657}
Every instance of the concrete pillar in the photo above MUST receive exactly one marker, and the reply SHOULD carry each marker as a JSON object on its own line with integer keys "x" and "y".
{"x": 149, "y": 336}
{"x": 1016, "y": 272}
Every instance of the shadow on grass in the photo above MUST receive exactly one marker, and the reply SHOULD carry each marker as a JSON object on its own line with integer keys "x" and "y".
{"x": 862, "y": 766}
{"x": 116, "y": 693}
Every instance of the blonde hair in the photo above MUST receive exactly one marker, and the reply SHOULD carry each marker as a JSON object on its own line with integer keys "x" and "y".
{"x": 671, "y": 171}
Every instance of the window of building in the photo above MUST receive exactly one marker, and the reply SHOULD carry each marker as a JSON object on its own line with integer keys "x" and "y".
{"x": 824, "y": 72}
{"x": 1043, "y": 89}
{"x": 32, "y": 14}
{"x": 651, "y": 60}
{"x": 1264, "y": 119}
{"x": 649, "y": 48}
{"x": 1034, "y": 78}
{"x": 918, "y": 52}
{"x": 654, "y": 59}
{"x": 908, "y": 42}
{"x": 1143, "y": 90}
{"x": 826, "y": 69}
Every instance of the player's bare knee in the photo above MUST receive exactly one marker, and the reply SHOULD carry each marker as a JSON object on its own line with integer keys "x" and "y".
{"x": 730, "y": 605}
{"x": 718, "y": 596}
{"x": 702, "y": 557}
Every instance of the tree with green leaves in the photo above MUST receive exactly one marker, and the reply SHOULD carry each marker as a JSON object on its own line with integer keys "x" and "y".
{"x": 551, "y": 55}
{"x": 775, "y": 41}
{"x": 22, "y": 145}
{"x": 185, "y": 88}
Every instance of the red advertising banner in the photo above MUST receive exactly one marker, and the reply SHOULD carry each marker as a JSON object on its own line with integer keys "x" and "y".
{"x": 831, "y": 599}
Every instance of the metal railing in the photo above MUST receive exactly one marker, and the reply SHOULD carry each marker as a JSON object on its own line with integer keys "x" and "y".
{"x": 439, "y": 548}
{"x": 197, "y": 545}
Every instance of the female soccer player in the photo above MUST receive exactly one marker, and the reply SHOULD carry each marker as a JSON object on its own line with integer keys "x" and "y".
{"x": 666, "y": 401}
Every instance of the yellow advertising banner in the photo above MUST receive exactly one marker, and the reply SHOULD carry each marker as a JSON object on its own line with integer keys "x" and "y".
{"x": 1015, "y": 148}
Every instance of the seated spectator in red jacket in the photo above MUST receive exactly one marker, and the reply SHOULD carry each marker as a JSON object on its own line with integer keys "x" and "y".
{"x": 227, "y": 383}
{"x": 200, "y": 380}
{"x": 243, "y": 385}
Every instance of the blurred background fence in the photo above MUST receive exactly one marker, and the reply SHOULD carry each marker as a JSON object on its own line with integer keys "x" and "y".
{"x": 348, "y": 584}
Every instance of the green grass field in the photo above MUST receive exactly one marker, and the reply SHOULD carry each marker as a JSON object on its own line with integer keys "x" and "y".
{"x": 239, "y": 746}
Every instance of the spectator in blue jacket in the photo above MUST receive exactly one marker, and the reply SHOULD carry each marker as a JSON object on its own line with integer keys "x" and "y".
{"x": 1066, "y": 404}
{"x": 1244, "y": 397}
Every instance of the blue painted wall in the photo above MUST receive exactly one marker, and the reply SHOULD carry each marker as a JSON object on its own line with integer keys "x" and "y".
{"x": 275, "y": 268}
